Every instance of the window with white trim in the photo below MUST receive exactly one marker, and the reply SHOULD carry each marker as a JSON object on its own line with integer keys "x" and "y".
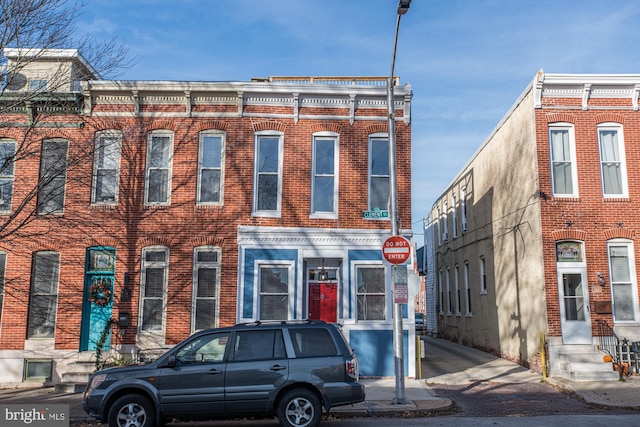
{"x": 624, "y": 292}
{"x": 454, "y": 216}
{"x": 7, "y": 160}
{"x": 106, "y": 167}
{"x": 439, "y": 227}
{"x": 379, "y": 177}
{"x": 210, "y": 167}
{"x": 441, "y": 289}
{"x": 463, "y": 208}
{"x": 445, "y": 232}
{"x": 43, "y": 297}
{"x": 206, "y": 285}
{"x": 267, "y": 188}
{"x": 456, "y": 278}
{"x": 467, "y": 288}
{"x": 158, "y": 168}
{"x": 449, "y": 296}
{"x": 612, "y": 160}
{"x": 483, "y": 275}
{"x": 53, "y": 175}
{"x": 324, "y": 185}
{"x": 274, "y": 280}
{"x": 155, "y": 271}
{"x": 564, "y": 175}
{"x": 371, "y": 295}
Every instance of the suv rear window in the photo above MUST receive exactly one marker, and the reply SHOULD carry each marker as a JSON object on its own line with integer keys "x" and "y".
{"x": 312, "y": 342}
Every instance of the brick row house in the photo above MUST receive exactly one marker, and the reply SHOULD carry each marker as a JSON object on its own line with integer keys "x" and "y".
{"x": 536, "y": 233}
{"x": 163, "y": 208}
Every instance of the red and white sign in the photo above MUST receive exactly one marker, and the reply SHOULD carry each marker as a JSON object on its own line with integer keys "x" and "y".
{"x": 396, "y": 250}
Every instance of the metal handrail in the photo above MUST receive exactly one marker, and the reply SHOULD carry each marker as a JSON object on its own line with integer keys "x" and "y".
{"x": 607, "y": 341}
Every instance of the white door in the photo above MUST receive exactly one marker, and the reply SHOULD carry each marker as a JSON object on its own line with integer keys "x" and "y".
{"x": 575, "y": 319}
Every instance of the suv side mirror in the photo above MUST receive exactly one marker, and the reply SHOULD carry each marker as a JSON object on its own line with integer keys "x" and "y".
{"x": 170, "y": 362}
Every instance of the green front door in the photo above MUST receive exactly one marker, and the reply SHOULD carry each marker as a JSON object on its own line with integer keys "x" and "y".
{"x": 99, "y": 280}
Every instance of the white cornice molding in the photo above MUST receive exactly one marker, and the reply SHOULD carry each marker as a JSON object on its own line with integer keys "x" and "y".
{"x": 585, "y": 87}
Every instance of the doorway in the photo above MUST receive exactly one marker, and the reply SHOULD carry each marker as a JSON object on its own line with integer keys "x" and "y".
{"x": 323, "y": 293}
{"x": 575, "y": 318}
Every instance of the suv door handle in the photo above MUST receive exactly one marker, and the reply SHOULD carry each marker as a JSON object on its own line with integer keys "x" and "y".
{"x": 214, "y": 372}
{"x": 278, "y": 367}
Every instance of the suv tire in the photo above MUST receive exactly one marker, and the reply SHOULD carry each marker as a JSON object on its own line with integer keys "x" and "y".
{"x": 299, "y": 408}
{"x": 131, "y": 410}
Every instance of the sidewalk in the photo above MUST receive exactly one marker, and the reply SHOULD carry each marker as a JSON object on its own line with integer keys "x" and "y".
{"x": 445, "y": 363}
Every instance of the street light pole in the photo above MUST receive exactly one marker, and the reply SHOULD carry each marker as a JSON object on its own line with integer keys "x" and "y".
{"x": 398, "y": 342}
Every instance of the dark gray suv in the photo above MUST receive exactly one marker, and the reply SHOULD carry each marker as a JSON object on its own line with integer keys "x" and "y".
{"x": 287, "y": 369}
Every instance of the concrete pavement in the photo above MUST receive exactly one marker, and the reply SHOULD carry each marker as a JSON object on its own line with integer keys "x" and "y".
{"x": 445, "y": 363}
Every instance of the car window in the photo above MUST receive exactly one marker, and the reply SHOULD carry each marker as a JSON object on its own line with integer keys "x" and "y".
{"x": 256, "y": 345}
{"x": 205, "y": 349}
{"x": 312, "y": 342}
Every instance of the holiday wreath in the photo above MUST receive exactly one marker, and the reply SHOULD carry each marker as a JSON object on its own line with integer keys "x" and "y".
{"x": 100, "y": 292}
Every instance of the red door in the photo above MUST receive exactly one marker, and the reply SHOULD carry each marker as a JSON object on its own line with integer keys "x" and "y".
{"x": 323, "y": 301}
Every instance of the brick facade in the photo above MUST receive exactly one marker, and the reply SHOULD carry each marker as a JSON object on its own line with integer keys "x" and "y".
{"x": 236, "y": 110}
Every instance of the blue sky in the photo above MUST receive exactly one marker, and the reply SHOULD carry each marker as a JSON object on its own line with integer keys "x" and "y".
{"x": 466, "y": 60}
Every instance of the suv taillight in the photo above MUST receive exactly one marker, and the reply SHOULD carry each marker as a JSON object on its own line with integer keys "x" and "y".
{"x": 351, "y": 368}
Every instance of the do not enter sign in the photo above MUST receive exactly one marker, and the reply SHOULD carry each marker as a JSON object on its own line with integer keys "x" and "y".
{"x": 396, "y": 250}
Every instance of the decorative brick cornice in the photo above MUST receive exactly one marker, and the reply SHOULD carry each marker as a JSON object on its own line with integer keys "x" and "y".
{"x": 269, "y": 125}
{"x": 560, "y": 117}
{"x": 619, "y": 233}
{"x": 569, "y": 234}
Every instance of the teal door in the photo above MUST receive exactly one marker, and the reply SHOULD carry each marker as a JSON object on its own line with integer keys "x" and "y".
{"x": 99, "y": 280}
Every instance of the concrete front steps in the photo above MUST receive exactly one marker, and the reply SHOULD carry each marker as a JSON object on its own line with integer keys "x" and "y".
{"x": 74, "y": 374}
{"x": 584, "y": 363}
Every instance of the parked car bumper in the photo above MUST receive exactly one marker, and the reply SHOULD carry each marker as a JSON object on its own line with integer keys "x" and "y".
{"x": 339, "y": 394}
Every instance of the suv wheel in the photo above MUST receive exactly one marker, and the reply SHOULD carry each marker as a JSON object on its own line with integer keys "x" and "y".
{"x": 131, "y": 410}
{"x": 299, "y": 408}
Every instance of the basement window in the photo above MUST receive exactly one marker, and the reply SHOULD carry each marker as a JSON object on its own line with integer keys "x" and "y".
{"x": 37, "y": 370}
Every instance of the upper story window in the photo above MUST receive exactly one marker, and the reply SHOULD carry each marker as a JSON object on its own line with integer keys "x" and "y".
{"x": 43, "y": 298}
{"x": 454, "y": 217}
{"x": 612, "y": 160}
{"x": 564, "y": 175}
{"x": 445, "y": 231}
{"x": 53, "y": 174}
{"x": 463, "y": 208}
{"x": 7, "y": 159}
{"x": 210, "y": 168}
{"x": 379, "y": 172}
{"x": 158, "y": 168}
{"x": 37, "y": 85}
{"x": 206, "y": 282}
{"x": 155, "y": 271}
{"x": 106, "y": 167}
{"x": 267, "y": 189}
{"x": 324, "y": 190}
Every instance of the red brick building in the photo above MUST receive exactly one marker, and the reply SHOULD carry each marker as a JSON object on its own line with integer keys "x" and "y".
{"x": 171, "y": 207}
{"x": 536, "y": 234}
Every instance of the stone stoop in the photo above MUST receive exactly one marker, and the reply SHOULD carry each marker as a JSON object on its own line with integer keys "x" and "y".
{"x": 74, "y": 375}
{"x": 585, "y": 363}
